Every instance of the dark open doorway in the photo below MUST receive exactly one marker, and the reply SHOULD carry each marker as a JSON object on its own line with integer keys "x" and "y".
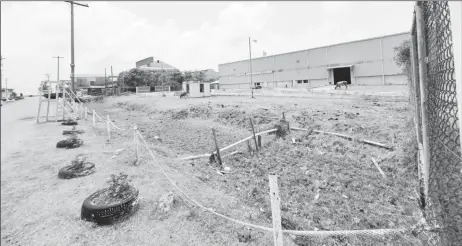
{"x": 342, "y": 74}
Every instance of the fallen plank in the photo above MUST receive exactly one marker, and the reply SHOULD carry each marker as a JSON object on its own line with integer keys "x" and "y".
{"x": 229, "y": 146}
{"x": 268, "y": 117}
{"x": 347, "y": 137}
{"x": 378, "y": 167}
{"x": 232, "y": 153}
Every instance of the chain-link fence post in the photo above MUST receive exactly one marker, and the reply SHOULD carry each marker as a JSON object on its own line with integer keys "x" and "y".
{"x": 455, "y": 7}
{"x": 415, "y": 92}
{"x": 422, "y": 55}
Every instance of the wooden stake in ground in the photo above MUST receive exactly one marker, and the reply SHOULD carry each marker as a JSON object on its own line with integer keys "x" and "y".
{"x": 259, "y": 141}
{"x": 135, "y": 141}
{"x": 217, "y": 149}
{"x": 249, "y": 148}
{"x": 94, "y": 118}
{"x": 378, "y": 167}
{"x": 108, "y": 127}
{"x": 275, "y": 209}
{"x": 86, "y": 115}
{"x": 254, "y": 137}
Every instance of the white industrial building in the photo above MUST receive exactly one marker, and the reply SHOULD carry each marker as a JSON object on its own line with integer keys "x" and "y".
{"x": 362, "y": 62}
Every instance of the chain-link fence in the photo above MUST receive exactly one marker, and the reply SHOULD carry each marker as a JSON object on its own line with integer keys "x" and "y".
{"x": 436, "y": 121}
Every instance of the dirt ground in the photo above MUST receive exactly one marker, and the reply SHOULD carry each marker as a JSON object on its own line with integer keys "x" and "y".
{"x": 326, "y": 182}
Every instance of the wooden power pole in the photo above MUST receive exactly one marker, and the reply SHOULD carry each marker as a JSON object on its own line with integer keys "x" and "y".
{"x": 72, "y": 42}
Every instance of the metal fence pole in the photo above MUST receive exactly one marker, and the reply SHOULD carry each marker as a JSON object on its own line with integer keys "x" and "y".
{"x": 422, "y": 55}
{"x": 455, "y": 7}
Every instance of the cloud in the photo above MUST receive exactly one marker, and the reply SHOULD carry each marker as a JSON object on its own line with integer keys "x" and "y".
{"x": 187, "y": 35}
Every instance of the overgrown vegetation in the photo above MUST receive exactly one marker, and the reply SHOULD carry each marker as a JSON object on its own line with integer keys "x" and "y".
{"x": 140, "y": 77}
{"x": 403, "y": 58}
{"x": 119, "y": 185}
{"x": 119, "y": 189}
{"x": 78, "y": 162}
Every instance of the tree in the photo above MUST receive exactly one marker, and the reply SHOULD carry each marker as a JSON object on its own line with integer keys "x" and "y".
{"x": 200, "y": 76}
{"x": 403, "y": 58}
{"x": 188, "y": 76}
{"x": 178, "y": 77}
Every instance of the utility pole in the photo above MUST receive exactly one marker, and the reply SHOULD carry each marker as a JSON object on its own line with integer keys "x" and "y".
{"x": 250, "y": 62}
{"x": 112, "y": 80}
{"x": 72, "y": 41}
{"x": 58, "y": 57}
{"x": 105, "y": 79}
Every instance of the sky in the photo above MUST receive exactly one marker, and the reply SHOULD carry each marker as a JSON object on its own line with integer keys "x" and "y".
{"x": 188, "y": 35}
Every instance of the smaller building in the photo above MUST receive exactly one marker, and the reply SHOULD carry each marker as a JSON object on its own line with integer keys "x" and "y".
{"x": 6, "y": 93}
{"x": 215, "y": 85}
{"x": 197, "y": 89}
{"x": 84, "y": 81}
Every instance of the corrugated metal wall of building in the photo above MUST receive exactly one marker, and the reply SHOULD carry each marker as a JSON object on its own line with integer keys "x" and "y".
{"x": 372, "y": 61}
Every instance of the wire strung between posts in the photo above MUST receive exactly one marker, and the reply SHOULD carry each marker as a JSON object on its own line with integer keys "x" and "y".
{"x": 376, "y": 232}
{"x": 96, "y": 114}
{"x": 116, "y": 126}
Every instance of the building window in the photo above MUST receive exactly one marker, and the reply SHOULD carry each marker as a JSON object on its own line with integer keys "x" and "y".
{"x": 299, "y": 81}
{"x": 305, "y": 81}
{"x": 201, "y": 88}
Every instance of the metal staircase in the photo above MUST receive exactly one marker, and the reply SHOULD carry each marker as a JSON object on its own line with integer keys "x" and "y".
{"x": 66, "y": 103}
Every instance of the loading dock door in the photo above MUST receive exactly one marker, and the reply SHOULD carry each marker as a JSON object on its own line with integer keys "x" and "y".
{"x": 342, "y": 74}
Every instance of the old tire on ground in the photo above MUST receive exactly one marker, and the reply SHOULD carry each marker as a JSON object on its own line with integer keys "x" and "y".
{"x": 69, "y": 144}
{"x": 70, "y": 132}
{"x": 109, "y": 214}
{"x": 68, "y": 173}
{"x": 69, "y": 123}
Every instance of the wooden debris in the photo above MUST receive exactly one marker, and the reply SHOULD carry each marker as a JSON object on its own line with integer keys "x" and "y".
{"x": 378, "y": 167}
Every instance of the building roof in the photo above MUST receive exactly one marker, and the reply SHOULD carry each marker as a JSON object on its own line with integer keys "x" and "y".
{"x": 154, "y": 63}
{"x": 325, "y": 46}
{"x": 90, "y": 75}
{"x": 158, "y": 68}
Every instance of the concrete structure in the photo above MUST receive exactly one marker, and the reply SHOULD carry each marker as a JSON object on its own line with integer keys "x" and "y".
{"x": 215, "y": 85}
{"x": 155, "y": 65}
{"x": 6, "y": 93}
{"x": 88, "y": 80}
{"x": 362, "y": 62}
{"x": 196, "y": 89}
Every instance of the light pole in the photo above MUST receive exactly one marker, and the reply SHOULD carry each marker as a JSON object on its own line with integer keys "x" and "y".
{"x": 250, "y": 62}
{"x": 58, "y": 57}
{"x": 72, "y": 42}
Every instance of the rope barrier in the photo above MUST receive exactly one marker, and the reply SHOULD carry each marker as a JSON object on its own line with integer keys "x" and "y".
{"x": 374, "y": 232}
{"x": 118, "y": 128}
{"x": 96, "y": 114}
